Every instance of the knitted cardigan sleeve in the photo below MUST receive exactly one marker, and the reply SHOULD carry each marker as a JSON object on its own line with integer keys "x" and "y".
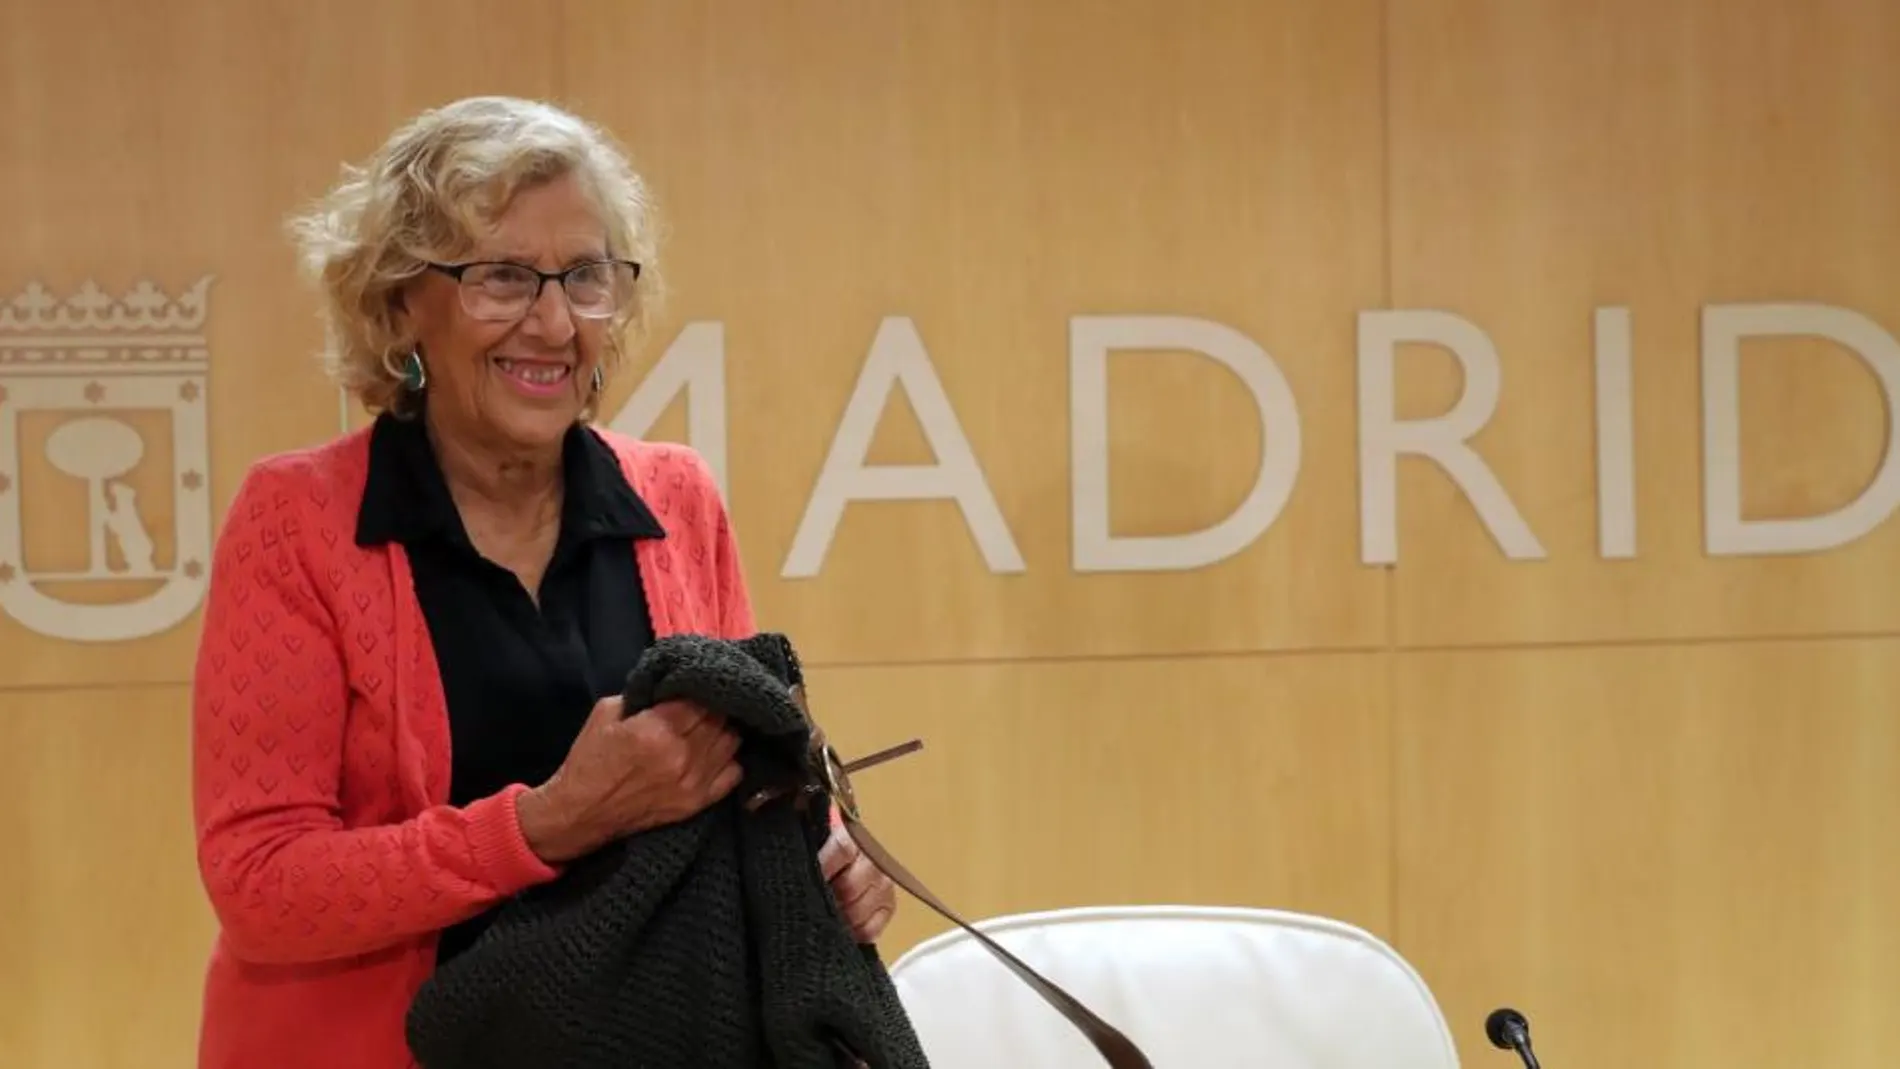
{"x": 736, "y": 619}
{"x": 270, "y": 702}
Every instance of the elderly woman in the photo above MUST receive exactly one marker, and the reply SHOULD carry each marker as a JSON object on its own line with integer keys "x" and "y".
{"x": 405, "y": 708}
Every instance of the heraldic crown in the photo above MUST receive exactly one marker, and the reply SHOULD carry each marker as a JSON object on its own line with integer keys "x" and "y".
{"x": 144, "y": 323}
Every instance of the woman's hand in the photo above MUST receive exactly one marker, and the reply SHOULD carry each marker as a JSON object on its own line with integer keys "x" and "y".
{"x": 626, "y": 774}
{"x": 867, "y": 897}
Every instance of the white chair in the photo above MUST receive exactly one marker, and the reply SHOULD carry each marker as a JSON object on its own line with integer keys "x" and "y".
{"x": 1194, "y": 987}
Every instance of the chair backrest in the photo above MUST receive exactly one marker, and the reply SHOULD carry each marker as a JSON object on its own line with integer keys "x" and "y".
{"x": 1195, "y": 987}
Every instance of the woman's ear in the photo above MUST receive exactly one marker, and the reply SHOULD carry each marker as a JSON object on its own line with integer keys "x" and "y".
{"x": 402, "y": 319}
{"x": 399, "y": 311}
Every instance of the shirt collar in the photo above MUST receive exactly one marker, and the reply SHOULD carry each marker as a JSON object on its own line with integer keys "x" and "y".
{"x": 407, "y": 500}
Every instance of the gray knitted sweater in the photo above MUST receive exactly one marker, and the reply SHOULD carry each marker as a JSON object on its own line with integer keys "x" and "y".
{"x": 708, "y": 944}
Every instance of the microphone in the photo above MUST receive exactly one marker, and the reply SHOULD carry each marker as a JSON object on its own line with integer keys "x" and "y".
{"x": 1508, "y": 1030}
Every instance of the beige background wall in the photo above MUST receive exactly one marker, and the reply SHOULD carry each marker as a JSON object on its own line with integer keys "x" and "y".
{"x": 1652, "y": 801}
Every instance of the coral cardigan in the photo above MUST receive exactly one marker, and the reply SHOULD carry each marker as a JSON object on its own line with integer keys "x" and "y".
{"x": 320, "y": 750}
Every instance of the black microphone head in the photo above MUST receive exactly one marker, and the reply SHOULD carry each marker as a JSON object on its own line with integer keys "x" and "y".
{"x": 1506, "y": 1027}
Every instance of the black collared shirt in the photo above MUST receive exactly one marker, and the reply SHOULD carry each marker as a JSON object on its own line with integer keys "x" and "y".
{"x": 519, "y": 680}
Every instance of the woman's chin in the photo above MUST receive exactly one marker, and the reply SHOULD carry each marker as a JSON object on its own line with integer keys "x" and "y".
{"x": 531, "y": 427}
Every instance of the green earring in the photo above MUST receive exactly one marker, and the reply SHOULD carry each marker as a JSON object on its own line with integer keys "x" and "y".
{"x": 414, "y": 375}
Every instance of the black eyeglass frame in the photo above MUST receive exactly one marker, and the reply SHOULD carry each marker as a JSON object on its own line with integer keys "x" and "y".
{"x": 542, "y": 278}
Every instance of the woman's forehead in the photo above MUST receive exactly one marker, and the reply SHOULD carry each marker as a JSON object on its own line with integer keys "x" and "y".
{"x": 555, "y": 217}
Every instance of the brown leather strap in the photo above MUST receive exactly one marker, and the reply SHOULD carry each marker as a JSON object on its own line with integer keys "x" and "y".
{"x": 1116, "y": 1049}
{"x": 833, "y": 779}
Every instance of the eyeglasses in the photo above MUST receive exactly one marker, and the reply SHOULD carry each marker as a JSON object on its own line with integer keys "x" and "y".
{"x": 500, "y": 291}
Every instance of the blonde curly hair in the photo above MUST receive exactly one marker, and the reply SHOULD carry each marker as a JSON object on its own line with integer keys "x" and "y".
{"x": 438, "y": 182}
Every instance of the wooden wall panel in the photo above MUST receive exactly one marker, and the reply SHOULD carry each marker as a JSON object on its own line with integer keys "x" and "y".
{"x": 1256, "y": 780}
{"x": 988, "y": 170}
{"x": 1673, "y": 855}
{"x": 1552, "y": 158}
{"x": 103, "y": 948}
{"x": 164, "y": 145}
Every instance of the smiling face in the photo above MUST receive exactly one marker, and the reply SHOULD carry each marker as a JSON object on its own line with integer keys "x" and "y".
{"x": 516, "y": 383}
